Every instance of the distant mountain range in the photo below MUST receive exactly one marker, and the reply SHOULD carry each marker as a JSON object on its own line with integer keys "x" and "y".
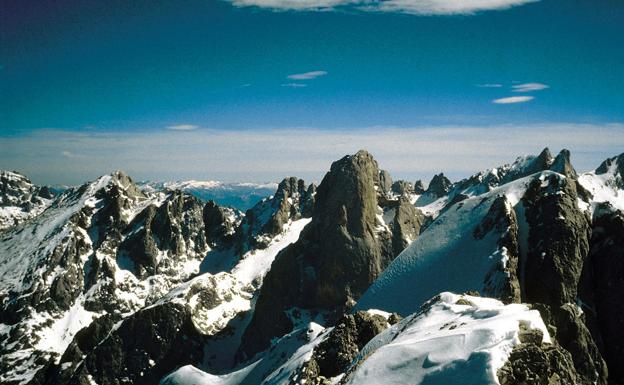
{"x": 512, "y": 276}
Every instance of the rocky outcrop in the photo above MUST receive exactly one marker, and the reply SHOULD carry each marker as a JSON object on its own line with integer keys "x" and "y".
{"x": 419, "y": 187}
{"x": 338, "y": 255}
{"x": 406, "y": 224}
{"x": 145, "y": 347}
{"x": 402, "y": 188}
{"x": 534, "y": 362}
{"x": 291, "y": 201}
{"x": 562, "y": 165}
{"x": 219, "y": 223}
{"x": 502, "y": 280}
{"x": 335, "y": 354}
{"x": 174, "y": 228}
{"x": 20, "y": 199}
{"x": 605, "y": 287}
{"x": 385, "y": 181}
{"x": 558, "y": 241}
{"x": 614, "y": 165}
{"x": 439, "y": 185}
{"x": 558, "y": 245}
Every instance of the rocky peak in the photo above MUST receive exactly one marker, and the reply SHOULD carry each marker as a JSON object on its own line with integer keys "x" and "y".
{"x": 220, "y": 223}
{"x": 614, "y": 166}
{"x": 292, "y": 200}
{"x": 338, "y": 255}
{"x": 402, "y": 188}
{"x": 385, "y": 181}
{"x": 174, "y": 229}
{"x": 562, "y": 165}
{"x": 347, "y": 195}
{"x": 419, "y": 187}
{"x": 439, "y": 185}
{"x": 20, "y": 199}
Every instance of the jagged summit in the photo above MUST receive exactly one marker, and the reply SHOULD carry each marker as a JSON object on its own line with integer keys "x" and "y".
{"x": 439, "y": 185}
{"x": 339, "y": 254}
{"x": 613, "y": 165}
{"x": 20, "y": 199}
{"x": 153, "y": 285}
{"x": 419, "y": 187}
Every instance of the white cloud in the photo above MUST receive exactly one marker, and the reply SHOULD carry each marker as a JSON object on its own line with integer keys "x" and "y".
{"x": 307, "y": 75}
{"x": 67, "y": 154}
{"x": 417, "y": 7}
{"x": 528, "y": 87}
{"x": 183, "y": 127}
{"x": 271, "y": 154}
{"x": 490, "y": 85}
{"x": 513, "y": 99}
{"x": 294, "y": 85}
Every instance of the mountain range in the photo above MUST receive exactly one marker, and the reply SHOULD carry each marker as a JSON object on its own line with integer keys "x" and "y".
{"x": 514, "y": 275}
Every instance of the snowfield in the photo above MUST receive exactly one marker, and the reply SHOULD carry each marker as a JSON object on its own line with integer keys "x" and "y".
{"x": 448, "y": 342}
{"x": 447, "y": 256}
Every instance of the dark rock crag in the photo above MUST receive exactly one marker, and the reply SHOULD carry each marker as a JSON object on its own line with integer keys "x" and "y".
{"x": 338, "y": 255}
{"x": 559, "y": 243}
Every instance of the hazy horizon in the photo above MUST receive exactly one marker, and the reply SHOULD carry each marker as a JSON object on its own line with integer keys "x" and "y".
{"x": 253, "y": 90}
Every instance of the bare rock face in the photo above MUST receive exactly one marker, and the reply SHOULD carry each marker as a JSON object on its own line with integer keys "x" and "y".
{"x": 502, "y": 281}
{"x": 338, "y": 255}
{"x": 145, "y": 347}
{"x": 606, "y": 287}
{"x": 219, "y": 223}
{"x": 405, "y": 225}
{"x": 385, "y": 181}
{"x": 614, "y": 165}
{"x": 439, "y": 185}
{"x": 335, "y": 354}
{"x": 292, "y": 200}
{"x": 558, "y": 246}
{"x": 559, "y": 241}
{"x": 175, "y": 228}
{"x": 402, "y": 188}
{"x": 539, "y": 364}
{"x": 562, "y": 165}
{"x": 419, "y": 187}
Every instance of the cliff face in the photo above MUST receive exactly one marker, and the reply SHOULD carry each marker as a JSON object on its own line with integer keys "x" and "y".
{"x": 339, "y": 254}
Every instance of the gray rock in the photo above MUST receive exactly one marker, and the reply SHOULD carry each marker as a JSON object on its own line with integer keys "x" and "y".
{"x": 335, "y": 354}
{"x": 385, "y": 181}
{"x": 558, "y": 242}
{"x": 338, "y": 255}
{"x": 606, "y": 288}
{"x": 562, "y": 165}
{"x": 402, "y": 188}
{"x": 439, "y": 185}
{"x": 419, "y": 187}
{"x": 538, "y": 364}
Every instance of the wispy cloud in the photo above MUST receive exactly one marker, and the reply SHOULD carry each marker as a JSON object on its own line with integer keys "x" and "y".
{"x": 67, "y": 154}
{"x": 416, "y": 7}
{"x": 513, "y": 99}
{"x": 529, "y": 87}
{"x": 294, "y": 85}
{"x": 307, "y": 75}
{"x": 271, "y": 154}
{"x": 183, "y": 127}
{"x": 489, "y": 85}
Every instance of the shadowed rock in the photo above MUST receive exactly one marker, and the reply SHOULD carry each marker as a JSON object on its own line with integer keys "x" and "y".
{"x": 338, "y": 255}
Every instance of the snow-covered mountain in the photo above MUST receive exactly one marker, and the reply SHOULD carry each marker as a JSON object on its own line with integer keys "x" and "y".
{"x": 241, "y": 196}
{"x": 511, "y": 276}
{"x": 20, "y": 199}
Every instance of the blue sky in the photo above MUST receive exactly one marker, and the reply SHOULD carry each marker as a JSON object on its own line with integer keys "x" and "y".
{"x": 121, "y": 69}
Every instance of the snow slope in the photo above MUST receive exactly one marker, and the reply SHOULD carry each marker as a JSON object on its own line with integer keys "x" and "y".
{"x": 446, "y": 343}
{"x": 447, "y": 256}
{"x": 605, "y": 185}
